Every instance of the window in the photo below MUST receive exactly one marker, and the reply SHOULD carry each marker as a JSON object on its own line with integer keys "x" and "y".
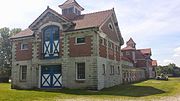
{"x": 23, "y": 73}
{"x": 118, "y": 70}
{"x": 110, "y": 44}
{"x": 127, "y": 53}
{"x": 80, "y": 40}
{"x": 112, "y": 69}
{"x": 104, "y": 69}
{"x": 24, "y": 46}
{"x": 110, "y": 26}
{"x": 71, "y": 10}
{"x": 64, "y": 11}
{"x": 80, "y": 71}
{"x": 101, "y": 40}
{"x": 77, "y": 12}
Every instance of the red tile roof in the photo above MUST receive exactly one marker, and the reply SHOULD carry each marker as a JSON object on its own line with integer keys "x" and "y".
{"x": 128, "y": 48}
{"x": 24, "y": 33}
{"x": 146, "y": 51}
{"x": 83, "y": 21}
{"x": 126, "y": 59}
{"x": 154, "y": 63}
{"x": 139, "y": 55}
{"x": 91, "y": 20}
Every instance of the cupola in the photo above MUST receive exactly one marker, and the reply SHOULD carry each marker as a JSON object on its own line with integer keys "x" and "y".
{"x": 71, "y": 9}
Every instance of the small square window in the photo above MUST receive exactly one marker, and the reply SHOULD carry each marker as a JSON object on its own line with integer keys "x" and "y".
{"x": 80, "y": 40}
{"x": 24, "y": 46}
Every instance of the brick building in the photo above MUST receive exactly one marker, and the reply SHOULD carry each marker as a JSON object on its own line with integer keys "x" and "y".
{"x": 140, "y": 59}
{"x": 70, "y": 50}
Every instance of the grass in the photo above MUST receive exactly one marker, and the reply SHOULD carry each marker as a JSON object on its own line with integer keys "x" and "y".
{"x": 146, "y": 90}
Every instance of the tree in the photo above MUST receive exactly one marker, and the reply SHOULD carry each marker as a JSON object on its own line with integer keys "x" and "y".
{"x": 168, "y": 69}
{"x": 5, "y": 47}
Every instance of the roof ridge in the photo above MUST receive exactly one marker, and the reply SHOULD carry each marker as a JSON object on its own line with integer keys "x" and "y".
{"x": 143, "y": 48}
{"x": 96, "y": 12}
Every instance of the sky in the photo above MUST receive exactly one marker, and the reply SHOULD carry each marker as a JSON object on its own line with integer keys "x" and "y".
{"x": 152, "y": 24}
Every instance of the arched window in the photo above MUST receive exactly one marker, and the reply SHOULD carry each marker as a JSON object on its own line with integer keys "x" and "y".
{"x": 51, "y": 42}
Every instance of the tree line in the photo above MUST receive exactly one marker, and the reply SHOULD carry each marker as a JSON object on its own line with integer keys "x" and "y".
{"x": 5, "y": 49}
{"x": 170, "y": 69}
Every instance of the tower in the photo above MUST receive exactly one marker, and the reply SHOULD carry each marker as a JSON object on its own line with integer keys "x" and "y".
{"x": 131, "y": 43}
{"x": 71, "y": 9}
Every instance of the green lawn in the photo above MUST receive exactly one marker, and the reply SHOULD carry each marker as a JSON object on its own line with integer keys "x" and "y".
{"x": 146, "y": 90}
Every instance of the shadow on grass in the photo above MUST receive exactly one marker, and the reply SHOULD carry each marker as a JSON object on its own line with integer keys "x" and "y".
{"x": 121, "y": 90}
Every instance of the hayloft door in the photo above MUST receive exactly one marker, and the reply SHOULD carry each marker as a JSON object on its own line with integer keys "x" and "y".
{"x": 51, "y": 42}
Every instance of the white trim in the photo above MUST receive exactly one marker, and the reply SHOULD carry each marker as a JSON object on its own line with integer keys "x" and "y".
{"x": 80, "y": 43}
{"x": 50, "y": 23}
{"x": 24, "y": 43}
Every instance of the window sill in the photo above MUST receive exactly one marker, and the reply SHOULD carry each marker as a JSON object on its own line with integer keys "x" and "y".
{"x": 80, "y": 43}
{"x": 22, "y": 80}
{"x": 80, "y": 80}
{"x": 23, "y": 49}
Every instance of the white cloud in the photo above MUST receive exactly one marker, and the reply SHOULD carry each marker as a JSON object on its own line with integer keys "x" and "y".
{"x": 177, "y": 52}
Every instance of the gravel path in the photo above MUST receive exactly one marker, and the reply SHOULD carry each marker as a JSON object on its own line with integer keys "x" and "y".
{"x": 170, "y": 98}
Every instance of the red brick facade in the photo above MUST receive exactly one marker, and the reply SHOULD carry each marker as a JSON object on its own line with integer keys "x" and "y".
{"x": 102, "y": 48}
{"x": 118, "y": 55}
{"x": 23, "y": 54}
{"x": 111, "y": 53}
{"x": 79, "y": 50}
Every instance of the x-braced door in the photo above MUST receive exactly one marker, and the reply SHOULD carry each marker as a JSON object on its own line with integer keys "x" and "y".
{"x": 51, "y": 42}
{"x": 51, "y": 77}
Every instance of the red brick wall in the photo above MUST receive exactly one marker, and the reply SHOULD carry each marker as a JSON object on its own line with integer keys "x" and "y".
{"x": 141, "y": 63}
{"x": 130, "y": 56}
{"x": 81, "y": 49}
{"x": 118, "y": 54}
{"x": 103, "y": 49}
{"x": 111, "y": 53}
{"x": 23, "y": 54}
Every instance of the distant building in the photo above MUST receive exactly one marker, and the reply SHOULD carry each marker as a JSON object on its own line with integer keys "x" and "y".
{"x": 140, "y": 58}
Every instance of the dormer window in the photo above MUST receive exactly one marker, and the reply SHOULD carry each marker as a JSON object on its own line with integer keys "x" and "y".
{"x": 68, "y": 10}
{"x": 24, "y": 46}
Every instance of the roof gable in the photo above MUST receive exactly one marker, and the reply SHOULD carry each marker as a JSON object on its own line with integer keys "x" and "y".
{"x": 91, "y": 20}
{"x": 51, "y": 15}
